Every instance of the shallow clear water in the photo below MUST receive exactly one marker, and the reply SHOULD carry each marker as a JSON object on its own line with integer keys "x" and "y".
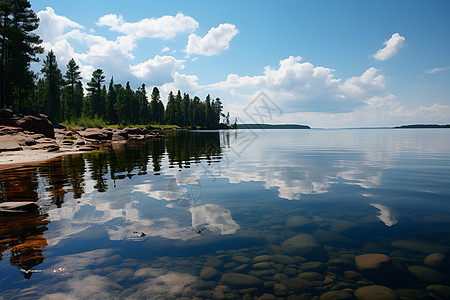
{"x": 188, "y": 215}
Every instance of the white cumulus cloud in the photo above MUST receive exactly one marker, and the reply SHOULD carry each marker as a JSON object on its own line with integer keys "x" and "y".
{"x": 52, "y": 26}
{"x": 165, "y": 27}
{"x": 214, "y": 42}
{"x": 186, "y": 83}
{"x": 160, "y": 69}
{"x": 392, "y": 46}
{"x": 301, "y": 86}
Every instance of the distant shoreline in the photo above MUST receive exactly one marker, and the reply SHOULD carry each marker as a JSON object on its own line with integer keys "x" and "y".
{"x": 297, "y": 126}
{"x": 272, "y": 126}
{"x": 422, "y": 126}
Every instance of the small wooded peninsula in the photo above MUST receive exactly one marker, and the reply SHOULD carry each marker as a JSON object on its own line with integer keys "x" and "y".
{"x": 272, "y": 126}
{"x": 422, "y": 126}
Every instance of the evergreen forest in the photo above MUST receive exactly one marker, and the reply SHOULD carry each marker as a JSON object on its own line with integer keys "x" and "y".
{"x": 62, "y": 96}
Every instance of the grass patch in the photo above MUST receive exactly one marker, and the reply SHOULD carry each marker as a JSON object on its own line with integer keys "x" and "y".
{"x": 97, "y": 122}
{"x": 84, "y": 121}
{"x": 165, "y": 127}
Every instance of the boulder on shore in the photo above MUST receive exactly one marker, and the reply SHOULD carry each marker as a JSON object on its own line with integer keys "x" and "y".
{"x": 8, "y": 143}
{"x": 33, "y": 122}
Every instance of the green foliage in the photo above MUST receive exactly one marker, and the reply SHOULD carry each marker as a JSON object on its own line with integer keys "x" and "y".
{"x": 53, "y": 81}
{"x": 170, "y": 113}
{"x": 72, "y": 98}
{"x": 156, "y": 108}
{"x": 95, "y": 92}
{"x": 86, "y": 121}
{"x": 19, "y": 46}
{"x": 111, "y": 99}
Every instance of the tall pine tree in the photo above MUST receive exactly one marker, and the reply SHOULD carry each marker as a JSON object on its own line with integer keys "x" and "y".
{"x": 209, "y": 115}
{"x": 53, "y": 84}
{"x": 141, "y": 96}
{"x": 156, "y": 107}
{"x": 170, "y": 112}
{"x": 111, "y": 98}
{"x": 71, "y": 97}
{"x": 19, "y": 46}
{"x": 95, "y": 93}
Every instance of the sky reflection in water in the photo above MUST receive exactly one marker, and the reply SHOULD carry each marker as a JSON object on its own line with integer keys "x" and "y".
{"x": 195, "y": 194}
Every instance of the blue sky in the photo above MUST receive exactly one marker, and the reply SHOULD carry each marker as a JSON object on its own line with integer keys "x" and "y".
{"x": 323, "y": 63}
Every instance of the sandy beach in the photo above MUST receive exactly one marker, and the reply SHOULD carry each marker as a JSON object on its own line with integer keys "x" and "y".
{"x": 12, "y": 160}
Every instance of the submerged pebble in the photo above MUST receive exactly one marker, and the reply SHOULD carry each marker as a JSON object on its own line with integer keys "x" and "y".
{"x": 439, "y": 291}
{"x": 302, "y": 244}
{"x": 241, "y": 280}
{"x": 208, "y": 272}
{"x": 437, "y": 261}
{"x": 425, "y": 275}
{"x": 373, "y": 292}
{"x": 336, "y": 295}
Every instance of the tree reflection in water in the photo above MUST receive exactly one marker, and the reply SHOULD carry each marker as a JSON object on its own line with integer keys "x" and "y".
{"x": 23, "y": 234}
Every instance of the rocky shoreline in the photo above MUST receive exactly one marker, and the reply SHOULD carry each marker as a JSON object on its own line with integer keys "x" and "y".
{"x": 31, "y": 137}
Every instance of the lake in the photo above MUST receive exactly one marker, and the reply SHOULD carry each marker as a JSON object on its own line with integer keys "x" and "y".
{"x": 232, "y": 215}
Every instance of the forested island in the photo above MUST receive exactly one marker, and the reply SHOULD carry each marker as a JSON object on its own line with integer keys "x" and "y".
{"x": 271, "y": 126}
{"x": 423, "y": 126}
{"x": 62, "y": 96}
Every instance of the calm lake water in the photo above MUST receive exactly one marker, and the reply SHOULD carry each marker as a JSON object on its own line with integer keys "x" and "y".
{"x": 231, "y": 215}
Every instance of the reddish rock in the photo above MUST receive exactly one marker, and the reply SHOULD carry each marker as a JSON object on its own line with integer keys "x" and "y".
{"x": 137, "y": 131}
{"x": 10, "y": 130}
{"x": 25, "y": 140}
{"x": 8, "y": 143}
{"x": 33, "y": 122}
{"x": 96, "y": 134}
{"x": 37, "y": 124}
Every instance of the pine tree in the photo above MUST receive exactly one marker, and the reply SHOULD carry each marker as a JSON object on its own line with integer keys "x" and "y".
{"x": 95, "y": 93}
{"x": 209, "y": 117}
{"x": 141, "y": 95}
{"x": 103, "y": 95}
{"x": 40, "y": 90}
{"x": 19, "y": 46}
{"x": 156, "y": 107}
{"x": 197, "y": 113}
{"x": 72, "y": 78}
{"x": 160, "y": 110}
{"x": 217, "y": 112}
{"x": 131, "y": 109}
{"x": 79, "y": 96}
{"x": 184, "y": 110}
{"x": 178, "y": 113}
{"x": 169, "y": 114}
{"x": 111, "y": 98}
{"x": 53, "y": 83}
{"x": 154, "y": 110}
{"x": 120, "y": 104}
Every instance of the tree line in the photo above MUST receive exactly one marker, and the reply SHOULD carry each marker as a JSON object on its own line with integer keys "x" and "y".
{"x": 62, "y": 97}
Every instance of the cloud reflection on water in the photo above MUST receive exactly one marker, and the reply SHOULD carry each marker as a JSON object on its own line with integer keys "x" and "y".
{"x": 214, "y": 218}
{"x": 387, "y": 215}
